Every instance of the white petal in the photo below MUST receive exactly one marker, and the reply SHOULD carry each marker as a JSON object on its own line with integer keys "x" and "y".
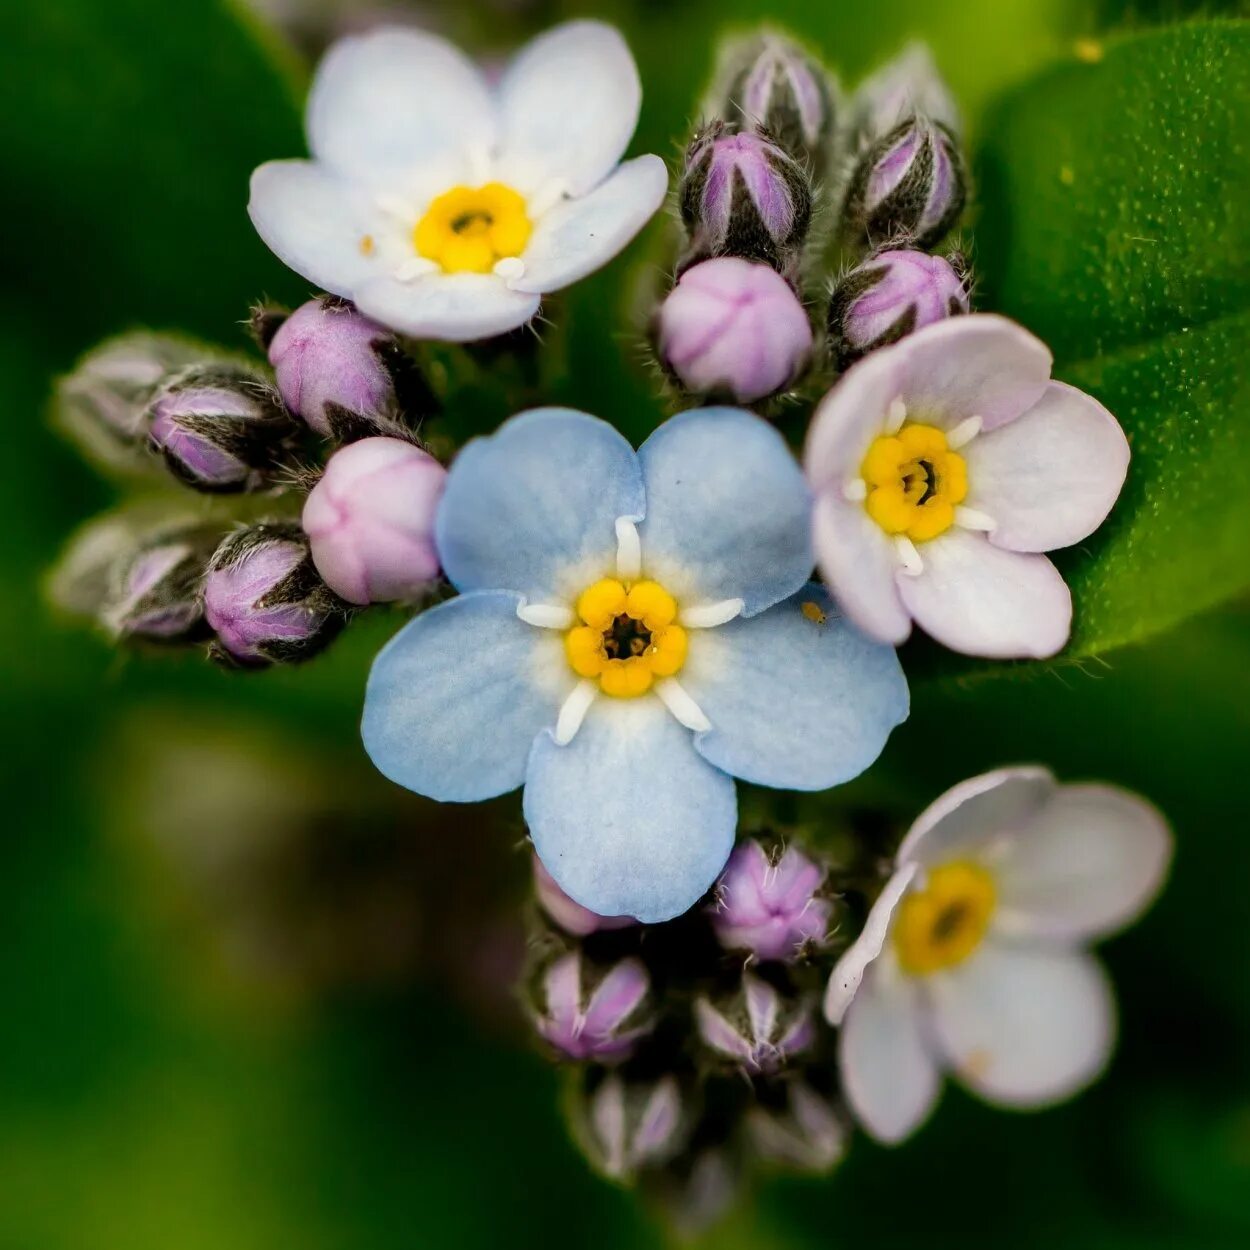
{"x": 454, "y": 307}
{"x": 857, "y": 561}
{"x": 313, "y": 223}
{"x": 976, "y": 598}
{"x": 568, "y": 105}
{"x": 1049, "y": 478}
{"x": 975, "y": 815}
{"x": 888, "y": 1076}
{"x": 848, "y": 972}
{"x": 1024, "y": 1027}
{"x": 848, "y": 418}
{"x": 576, "y": 237}
{"x": 390, "y": 101}
{"x": 1089, "y": 862}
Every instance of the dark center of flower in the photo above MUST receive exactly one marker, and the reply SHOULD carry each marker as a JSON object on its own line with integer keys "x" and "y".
{"x": 625, "y": 637}
{"x": 949, "y": 921}
{"x": 920, "y": 481}
{"x": 474, "y": 221}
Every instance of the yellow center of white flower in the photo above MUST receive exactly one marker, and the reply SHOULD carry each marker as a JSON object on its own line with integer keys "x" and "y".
{"x": 471, "y": 229}
{"x": 940, "y": 925}
{"x": 628, "y": 636}
{"x": 915, "y": 482}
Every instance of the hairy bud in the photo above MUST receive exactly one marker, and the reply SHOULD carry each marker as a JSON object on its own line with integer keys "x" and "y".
{"x": 589, "y": 1013}
{"x": 757, "y": 1028}
{"x": 888, "y": 296}
{"x": 742, "y": 194}
{"x": 802, "y": 1131}
{"x": 770, "y": 82}
{"x": 624, "y": 1126}
{"x": 265, "y": 600}
{"x": 734, "y": 328}
{"x": 910, "y": 185}
{"x": 370, "y": 520}
{"x": 908, "y": 86}
{"x": 220, "y": 427}
{"x": 769, "y": 906}
{"x": 159, "y": 591}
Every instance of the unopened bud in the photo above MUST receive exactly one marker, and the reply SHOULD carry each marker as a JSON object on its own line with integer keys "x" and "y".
{"x": 265, "y": 600}
{"x": 626, "y": 1125}
{"x": 803, "y": 1132}
{"x": 769, "y": 906}
{"x": 220, "y": 427}
{"x": 771, "y": 82}
{"x": 345, "y": 375}
{"x": 908, "y": 86}
{"x": 103, "y": 403}
{"x": 909, "y": 186}
{"x": 370, "y": 520}
{"x": 159, "y": 591}
{"x": 733, "y": 328}
{"x": 757, "y": 1029}
{"x": 571, "y": 916}
{"x": 888, "y": 296}
{"x": 589, "y": 1013}
{"x": 742, "y": 194}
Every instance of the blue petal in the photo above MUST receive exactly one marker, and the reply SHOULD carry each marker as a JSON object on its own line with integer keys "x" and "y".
{"x": 795, "y": 702}
{"x": 627, "y": 818}
{"x": 728, "y": 510}
{"x": 456, "y": 698}
{"x": 533, "y": 507}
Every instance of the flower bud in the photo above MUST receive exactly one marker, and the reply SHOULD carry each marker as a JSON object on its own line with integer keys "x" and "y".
{"x": 758, "y": 1029}
{"x": 908, "y": 86}
{"x": 220, "y": 427}
{"x": 103, "y": 403}
{"x": 803, "y": 1133}
{"x": 909, "y": 185}
{"x": 770, "y": 906}
{"x": 772, "y": 83}
{"x": 265, "y": 600}
{"x": 589, "y": 1014}
{"x": 734, "y": 328}
{"x": 159, "y": 591}
{"x": 697, "y": 1190}
{"x": 371, "y": 520}
{"x": 743, "y": 195}
{"x": 339, "y": 371}
{"x": 571, "y": 916}
{"x": 888, "y": 296}
{"x": 625, "y": 1126}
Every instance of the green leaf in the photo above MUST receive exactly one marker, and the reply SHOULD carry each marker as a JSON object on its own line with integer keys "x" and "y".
{"x": 127, "y": 137}
{"x": 1115, "y": 224}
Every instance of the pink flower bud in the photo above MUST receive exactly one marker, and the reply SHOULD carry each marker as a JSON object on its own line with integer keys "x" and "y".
{"x": 371, "y": 520}
{"x": 571, "y": 916}
{"x": 769, "y": 907}
{"x": 757, "y": 1029}
{"x": 596, "y": 1020}
{"x": 734, "y": 328}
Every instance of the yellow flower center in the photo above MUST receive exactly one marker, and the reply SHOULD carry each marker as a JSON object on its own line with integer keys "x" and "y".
{"x": 628, "y": 636}
{"x": 470, "y": 229}
{"x": 941, "y": 925}
{"x": 914, "y": 482}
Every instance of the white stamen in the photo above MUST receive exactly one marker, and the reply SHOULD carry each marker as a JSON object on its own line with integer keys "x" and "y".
{"x": 682, "y": 706}
{"x": 709, "y": 615}
{"x": 908, "y": 556}
{"x": 855, "y": 491}
{"x": 628, "y": 548}
{"x": 395, "y": 206}
{"x": 895, "y": 415}
{"x": 973, "y": 519}
{"x": 574, "y": 710}
{"x": 963, "y": 433}
{"x": 509, "y": 267}
{"x": 546, "y": 197}
{"x": 545, "y": 615}
{"x": 415, "y": 267}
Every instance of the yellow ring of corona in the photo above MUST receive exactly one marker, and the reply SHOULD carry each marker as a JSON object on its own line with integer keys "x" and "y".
{"x": 471, "y": 229}
{"x": 642, "y": 613}
{"x": 914, "y": 482}
{"x": 940, "y": 925}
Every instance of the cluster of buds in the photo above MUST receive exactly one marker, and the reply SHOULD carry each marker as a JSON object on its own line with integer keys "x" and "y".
{"x": 279, "y": 590}
{"x": 734, "y": 324}
{"x": 695, "y": 1048}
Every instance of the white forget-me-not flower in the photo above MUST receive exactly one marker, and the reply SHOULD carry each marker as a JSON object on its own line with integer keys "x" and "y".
{"x": 634, "y": 629}
{"x": 446, "y": 207}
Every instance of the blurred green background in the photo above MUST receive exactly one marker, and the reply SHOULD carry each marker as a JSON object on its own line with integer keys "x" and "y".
{"x": 254, "y": 997}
